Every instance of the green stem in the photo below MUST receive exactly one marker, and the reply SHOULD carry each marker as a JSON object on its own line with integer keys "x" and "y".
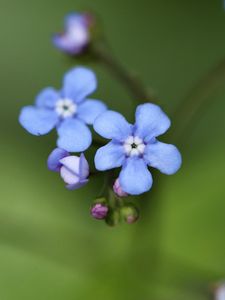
{"x": 196, "y": 100}
{"x": 134, "y": 85}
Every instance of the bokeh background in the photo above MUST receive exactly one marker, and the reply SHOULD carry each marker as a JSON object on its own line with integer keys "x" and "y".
{"x": 50, "y": 248}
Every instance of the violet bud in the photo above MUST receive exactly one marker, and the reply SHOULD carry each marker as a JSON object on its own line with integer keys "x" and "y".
{"x": 99, "y": 211}
{"x": 77, "y": 34}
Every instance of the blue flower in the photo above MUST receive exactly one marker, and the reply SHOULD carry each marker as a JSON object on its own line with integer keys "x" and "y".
{"x": 69, "y": 110}
{"x": 74, "y": 170}
{"x": 135, "y": 147}
{"x": 76, "y": 36}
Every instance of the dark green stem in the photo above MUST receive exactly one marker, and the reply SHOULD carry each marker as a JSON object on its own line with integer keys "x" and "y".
{"x": 134, "y": 85}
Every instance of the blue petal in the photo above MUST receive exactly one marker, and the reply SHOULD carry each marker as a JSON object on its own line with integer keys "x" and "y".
{"x": 69, "y": 169}
{"x": 54, "y": 159}
{"x": 72, "y": 165}
{"x": 110, "y": 156}
{"x": 83, "y": 167}
{"x": 164, "y": 157}
{"x": 74, "y": 136}
{"x": 66, "y": 44}
{"x": 112, "y": 125}
{"x": 47, "y": 98}
{"x": 90, "y": 109}
{"x": 78, "y": 185}
{"x": 37, "y": 121}
{"x": 72, "y": 19}
{"x": 79, "y": 83}
{"x": 151, "y": 121}
{"x": 135, "y": 177}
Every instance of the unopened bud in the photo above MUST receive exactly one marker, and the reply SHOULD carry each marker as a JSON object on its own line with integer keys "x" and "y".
{"x": 78, "y": 33}
{"x": 74, "y": 170}
{"x": 118, "y": 189}
{"x": 99, "y": 211}
{"x": 129, "y": 213}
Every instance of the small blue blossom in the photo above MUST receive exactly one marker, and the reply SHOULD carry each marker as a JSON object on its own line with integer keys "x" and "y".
{"x": 76, "y": 36}
{"x": 74, "y": 170}
{"x": 69, "y": 110}
{"x": 135, "y": 147}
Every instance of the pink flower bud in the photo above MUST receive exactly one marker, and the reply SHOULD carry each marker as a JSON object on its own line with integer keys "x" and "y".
{"x": 129, "y": 213}
{"x": 118, "y": 189}
{"x": 99, "y": 211}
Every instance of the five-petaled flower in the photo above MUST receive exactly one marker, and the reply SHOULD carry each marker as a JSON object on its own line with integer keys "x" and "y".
{"x": 77, "y": 34}
{"x": 69, "y": 110}
{"x": 135, "y": 147}
{"x": 74, "y": 170}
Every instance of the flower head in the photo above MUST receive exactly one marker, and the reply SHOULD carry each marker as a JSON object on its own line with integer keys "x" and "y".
{"x": 99, "y": 211}
{"x": 69, "y": 110}
{"x": 74, "y": 170}
{"x": 77, "y": 33}
{"x": 135, "y": 147}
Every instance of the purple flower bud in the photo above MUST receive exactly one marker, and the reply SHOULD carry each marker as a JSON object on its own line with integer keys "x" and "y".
{"x": 99, "y": 211}
{"x": 118, "y": 190}
{"x": 76, "y": 36}
{"x": 74, "y": 170}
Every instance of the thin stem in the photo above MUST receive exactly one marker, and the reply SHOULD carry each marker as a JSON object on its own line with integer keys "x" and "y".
{"x": 196, "y": 99}
{"x": 136, "y": 88}
{"x": 111, "y": 198}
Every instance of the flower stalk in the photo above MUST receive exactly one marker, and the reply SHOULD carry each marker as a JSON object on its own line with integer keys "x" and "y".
{"x": 196, "y": 99}
{"x": 104, "y": 56}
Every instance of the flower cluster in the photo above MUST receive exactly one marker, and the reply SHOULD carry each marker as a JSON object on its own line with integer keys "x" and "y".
{"x": 133, "y": 148}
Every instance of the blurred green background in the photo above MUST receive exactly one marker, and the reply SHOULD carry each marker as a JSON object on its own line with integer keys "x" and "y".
{"x": 50, "y": 248}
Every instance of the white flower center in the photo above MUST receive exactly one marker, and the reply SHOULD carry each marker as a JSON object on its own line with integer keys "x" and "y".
{"x": 65, "y": 108}
{"x": 134, "y": 146}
